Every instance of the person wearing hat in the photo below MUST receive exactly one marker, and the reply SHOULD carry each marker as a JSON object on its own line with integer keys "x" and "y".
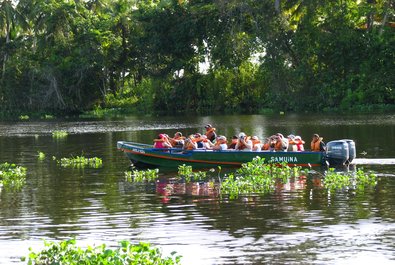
{"x": 317, "y": 145}
{"x": 220, "y": 143}
{"x": 210, "y": 132}
{"x": 299, "y": 143}
{"x": 243, "y": 143}
{"x": 256, "y": 143}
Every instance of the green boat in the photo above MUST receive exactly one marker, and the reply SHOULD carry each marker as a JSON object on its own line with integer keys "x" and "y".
{"x": 144, "y": 154}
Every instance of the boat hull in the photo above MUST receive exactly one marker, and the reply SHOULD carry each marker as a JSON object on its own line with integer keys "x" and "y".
{"x": 172, "y": 158}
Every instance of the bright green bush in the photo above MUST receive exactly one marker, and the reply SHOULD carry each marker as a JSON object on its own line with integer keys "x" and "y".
{"x": 66, "y": 252}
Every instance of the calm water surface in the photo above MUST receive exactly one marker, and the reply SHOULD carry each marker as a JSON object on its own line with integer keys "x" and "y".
{"x": 299, "y": 222}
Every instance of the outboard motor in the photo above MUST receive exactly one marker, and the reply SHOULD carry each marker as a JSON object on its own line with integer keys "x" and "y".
{"x": 337, "y": 152}
{"x": 352, "y": 152}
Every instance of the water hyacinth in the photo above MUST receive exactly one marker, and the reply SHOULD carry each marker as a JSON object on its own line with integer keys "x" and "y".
{"x": 148, "y": 175}
{"x": 186, "y": 172}
{"x": 59, "y": 134}
{"x": 12, "y": 177}
{"x": 256, "y": 177}
{"x": 41, "y": 155}
{"x": 66, "y": 252}
{"x": 81, "y": 162}
{"x": 339, "y": 180}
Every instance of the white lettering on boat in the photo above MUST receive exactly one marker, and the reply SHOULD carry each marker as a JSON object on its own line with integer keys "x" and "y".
{"x": 138, "y": 150}
{"x": 288, "y": 159}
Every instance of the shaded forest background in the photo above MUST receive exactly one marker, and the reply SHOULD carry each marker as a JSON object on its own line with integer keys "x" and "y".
{"x": 64, "y": 56}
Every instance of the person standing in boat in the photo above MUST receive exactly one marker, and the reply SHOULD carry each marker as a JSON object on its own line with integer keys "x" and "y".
{"x": 243, "y": 143}
{"x": 317, "y": 145}
{"x": 210, "y": 132}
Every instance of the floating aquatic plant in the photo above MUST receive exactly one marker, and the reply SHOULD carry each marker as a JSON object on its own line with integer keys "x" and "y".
{"x": 187, "y": 173}
{"x": 59, "y": 134}
{"x": 339, "y": 180}
{"x": 142, "y": 175}
{"x": 24, "y": 117}
{"x": 256, "y": 177}
{"x": 81, "y": 162}
{"x": 12, "y": 177}
{"x": 41, "y": 155}
{"x": 66, "y": 252}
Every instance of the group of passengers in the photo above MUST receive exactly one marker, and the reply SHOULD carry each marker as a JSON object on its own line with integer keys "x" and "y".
{"x": 211, "y": 141}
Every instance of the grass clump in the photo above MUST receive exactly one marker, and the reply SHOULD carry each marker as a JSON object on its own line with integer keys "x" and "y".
{"x": 81, "y": 162}
{"x": 59, "y": 134}
{"x": 357, "y": 180}
{"x": 12, "y": 177}
{"x": 148, "y": 175}
{"x": 66, "y": 252}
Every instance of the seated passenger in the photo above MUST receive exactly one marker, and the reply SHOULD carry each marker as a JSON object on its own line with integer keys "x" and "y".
{"x": 190, "y": 143}
{"x": 232, "y": 145}
{"x": 281, "y": 143}
{"x": 256, "y": 144}
{"x": 210, "y": 132}
{"x": 178, "y": 140}
{"x": 220, "y": 143}
{"x": 198, "y": 140}
{"x": 243, "y": 143}
{"x": 162, "y": 141}
{"x": 299, "y": 143}
{"x": 317, "y": 145}
{"x": 266, "y": 144}
{"x": 291, "y": 143}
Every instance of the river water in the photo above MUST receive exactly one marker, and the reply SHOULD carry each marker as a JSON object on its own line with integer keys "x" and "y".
{"x": 298, "y": 223}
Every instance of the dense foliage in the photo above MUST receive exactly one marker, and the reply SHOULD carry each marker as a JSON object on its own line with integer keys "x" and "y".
{"x": 66, "y": 252}
{"x": 196, "y": 55}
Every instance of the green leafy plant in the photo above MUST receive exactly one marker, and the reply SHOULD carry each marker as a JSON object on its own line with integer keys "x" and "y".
{"x": 24, "y": 117}
{"x": 81, "y": 162}
{"x": 59, "y": 134}
{"x": 256, "y": 177}
{"x": 41, "y": 155}
{"x": 142, "y": 175}
{"x": 339, "y": 180}
{"x": 12, "y": 177}
{"x": 66, "y": 252}
{"x": 187, "y": 173}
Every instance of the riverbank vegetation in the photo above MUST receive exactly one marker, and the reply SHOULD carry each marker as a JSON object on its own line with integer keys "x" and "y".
{"x": 70, "y": 56}
{"x": 67, "y": 252}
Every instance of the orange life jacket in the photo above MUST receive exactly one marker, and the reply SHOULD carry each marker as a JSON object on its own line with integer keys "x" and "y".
{"x": 315, "y": 146}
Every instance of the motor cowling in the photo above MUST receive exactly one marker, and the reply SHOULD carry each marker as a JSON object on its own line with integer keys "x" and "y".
{"x": 337, "y": 152}
{"x": 352, "y": 152}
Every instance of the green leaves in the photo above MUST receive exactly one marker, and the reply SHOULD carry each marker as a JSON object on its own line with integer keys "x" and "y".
{"x": 12, "y": 177}
{"x": 66, "y": 252}
{"x": 341, "y": 180}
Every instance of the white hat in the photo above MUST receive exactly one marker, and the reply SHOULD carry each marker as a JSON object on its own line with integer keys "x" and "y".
{"x": 242, "y": 135}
